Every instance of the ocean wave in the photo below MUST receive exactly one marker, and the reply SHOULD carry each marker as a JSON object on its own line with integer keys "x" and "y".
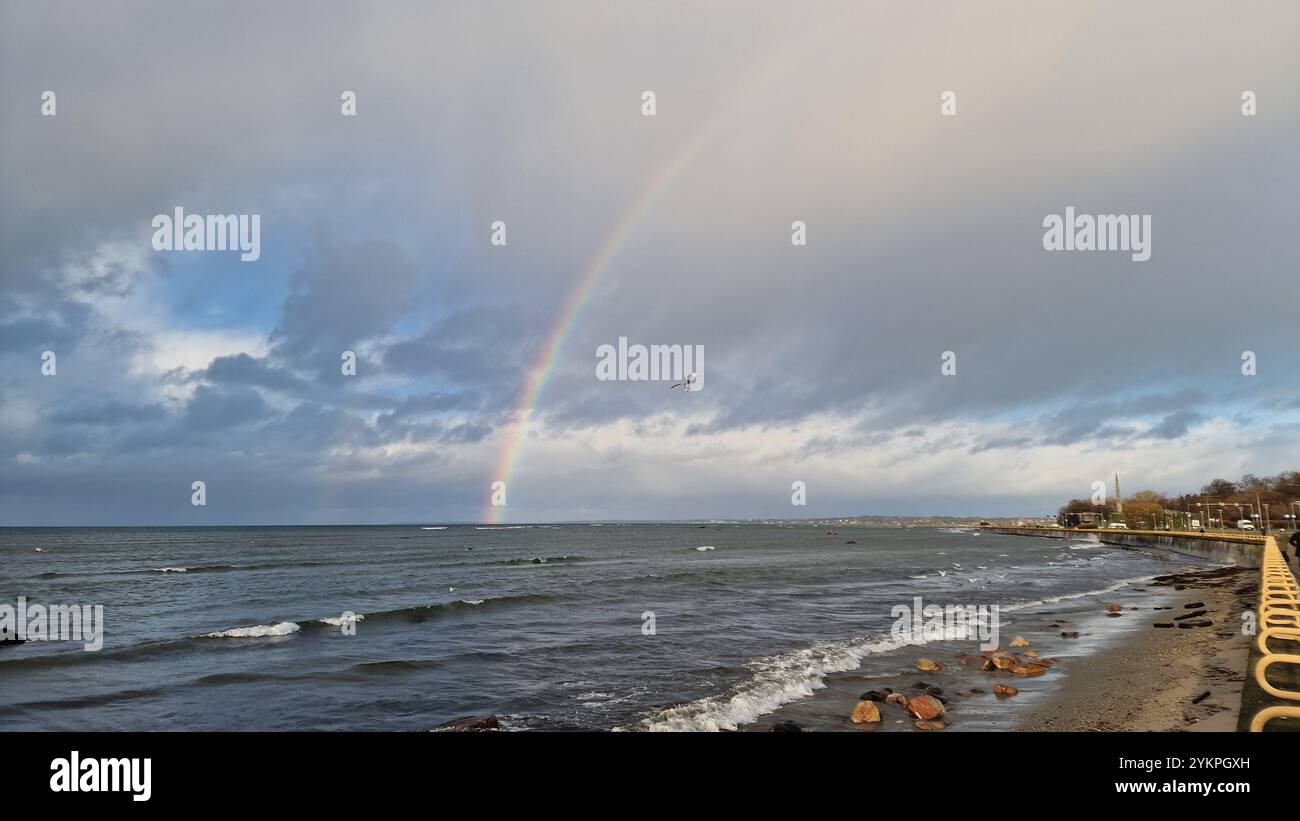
{"x": 283, "y": 628}
{"x": 1111, "y": 588}
{"x": 339, "y": 621}
{"x": 421, "y": 612}
{"x": 442, "y": 527}
{"x": 393, "y": 666}
{"x": 778, "y": 680}
{"x": 784, "y": 678}
{"x": 541, "y": 560}
{"x": 205, "y": 568}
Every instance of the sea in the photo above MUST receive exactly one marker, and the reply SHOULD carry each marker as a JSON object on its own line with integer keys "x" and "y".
{"x": 587, "y": 626}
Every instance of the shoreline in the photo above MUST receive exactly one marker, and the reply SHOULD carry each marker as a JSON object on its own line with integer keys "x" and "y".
{"x": 1109, "y": 670}
{"x": 1155, "y": 679}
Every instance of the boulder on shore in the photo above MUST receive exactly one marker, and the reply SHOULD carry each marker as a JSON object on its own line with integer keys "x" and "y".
{"x": 926, "y": 708}
{"x": 928, "y": 666}
{"x": 1003, "y": 691}
{"x": 930, "y": 725}
{"x": 865, "y": 713}
{"x": 1020, "y": 641}
{"x": 787, "y": 727}
{"x": 472, "y": 724}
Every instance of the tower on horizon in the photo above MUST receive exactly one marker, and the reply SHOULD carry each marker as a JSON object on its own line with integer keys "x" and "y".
{"x": 1119, "y": 500}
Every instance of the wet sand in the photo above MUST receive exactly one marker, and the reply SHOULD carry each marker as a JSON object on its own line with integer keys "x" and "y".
{"x": 1151, "y": 679}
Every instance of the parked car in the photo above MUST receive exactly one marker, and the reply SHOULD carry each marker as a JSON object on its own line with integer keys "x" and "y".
{"x": 1117, "y": 526}
{"x": 1245, "y": 524}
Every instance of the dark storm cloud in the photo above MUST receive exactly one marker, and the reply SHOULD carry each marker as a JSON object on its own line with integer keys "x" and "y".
{"x": 108, "y": 414}
{"x": 214, "y": 409}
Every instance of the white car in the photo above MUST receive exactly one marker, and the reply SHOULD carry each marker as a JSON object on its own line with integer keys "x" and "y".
{"x": 1245, "y": 524}
{"x": 1117, "y": 526}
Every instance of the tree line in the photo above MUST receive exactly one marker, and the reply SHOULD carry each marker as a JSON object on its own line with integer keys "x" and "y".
{"x": 1265, "y": 500}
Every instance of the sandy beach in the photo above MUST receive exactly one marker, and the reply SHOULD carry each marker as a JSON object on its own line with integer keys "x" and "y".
{"x": 1109, "y": 667}
{"x": 1155, "y": 679}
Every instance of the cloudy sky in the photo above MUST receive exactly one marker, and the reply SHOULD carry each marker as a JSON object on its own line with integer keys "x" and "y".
{"x": 822, "y": 361}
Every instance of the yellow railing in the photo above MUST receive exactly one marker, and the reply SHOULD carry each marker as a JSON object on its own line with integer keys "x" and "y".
{"x": 1279, "y": 619}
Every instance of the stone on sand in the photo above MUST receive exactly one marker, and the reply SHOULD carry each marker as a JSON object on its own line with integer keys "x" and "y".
{"x": 865, "y": 713}
{"x": 926, "y": 708}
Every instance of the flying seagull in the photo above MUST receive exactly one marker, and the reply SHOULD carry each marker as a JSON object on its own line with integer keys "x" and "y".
{"x": 687, "y": 382}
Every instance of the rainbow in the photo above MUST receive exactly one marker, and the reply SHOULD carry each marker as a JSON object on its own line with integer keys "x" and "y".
{"x": 569, "y": 315}
{"x": 783, "y": 59}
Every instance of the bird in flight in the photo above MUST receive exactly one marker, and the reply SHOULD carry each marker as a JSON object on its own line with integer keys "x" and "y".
{"x": 686, "y": 383}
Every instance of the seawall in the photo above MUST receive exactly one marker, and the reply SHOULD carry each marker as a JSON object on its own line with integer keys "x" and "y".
{"x": 1242, "y": 550}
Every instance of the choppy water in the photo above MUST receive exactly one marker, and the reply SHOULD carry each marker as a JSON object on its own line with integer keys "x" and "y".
{"x": 226, "y": 628}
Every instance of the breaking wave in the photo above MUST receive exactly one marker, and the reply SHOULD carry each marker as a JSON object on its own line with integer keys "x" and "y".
{"x": 284, "y": 628}
{"x": 781, "y": 679}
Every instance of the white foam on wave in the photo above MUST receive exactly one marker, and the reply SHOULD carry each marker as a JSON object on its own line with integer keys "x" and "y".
{"x": 472, "y": 601}
{"x": 339, "y": 621}
{"x": 705, "y": 547}
{"x": 1122, "y": 583}
{"x": 284, "y": 628}
{"x": 444, "y": 527}
{"x": 173, "y": 570}
{"x": 506, "y": 527}
{"x": 778, "y": 680}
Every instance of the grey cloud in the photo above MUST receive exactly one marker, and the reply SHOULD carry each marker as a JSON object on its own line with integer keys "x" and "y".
{"x": 924, "y": 234}
{"x": 214, "y": 409}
